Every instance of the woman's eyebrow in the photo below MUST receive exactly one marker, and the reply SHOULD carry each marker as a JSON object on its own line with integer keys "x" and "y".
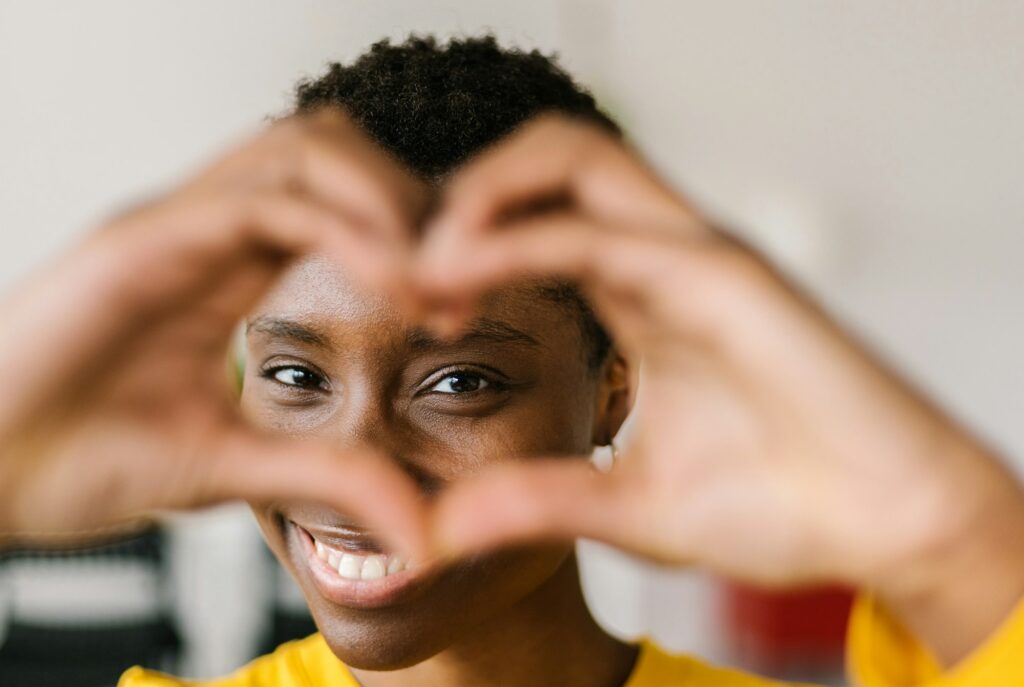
{"x": 288, "y": 329}
{"x": 481, "y": 330}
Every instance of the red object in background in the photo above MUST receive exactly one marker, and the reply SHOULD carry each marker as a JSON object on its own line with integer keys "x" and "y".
{"x": 784, "y": 632}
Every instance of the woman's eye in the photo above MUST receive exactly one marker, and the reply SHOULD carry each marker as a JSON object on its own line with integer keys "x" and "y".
{"x": 297, "y": 377}
{"x": 460, "y": 383}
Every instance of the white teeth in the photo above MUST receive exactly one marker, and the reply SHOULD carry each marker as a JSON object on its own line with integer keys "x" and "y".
{"x": 351, "y": 566}
{"x": 396, "y": 564}
{"x": 373, "y": 568}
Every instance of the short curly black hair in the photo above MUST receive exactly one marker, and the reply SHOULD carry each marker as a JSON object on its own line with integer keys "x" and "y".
{"x": 434, "y": 106}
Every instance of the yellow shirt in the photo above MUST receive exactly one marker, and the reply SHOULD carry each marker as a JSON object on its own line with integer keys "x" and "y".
{"x": 881, "y": 654}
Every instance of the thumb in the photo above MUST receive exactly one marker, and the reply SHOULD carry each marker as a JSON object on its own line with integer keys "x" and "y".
{"x": 544, "y": 499}
{"x": 362, "y": 483}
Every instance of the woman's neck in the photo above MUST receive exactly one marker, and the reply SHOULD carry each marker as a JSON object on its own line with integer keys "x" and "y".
{"x": 547, "y": 638}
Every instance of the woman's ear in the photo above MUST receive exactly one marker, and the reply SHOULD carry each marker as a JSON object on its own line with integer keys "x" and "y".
{"x": 615, "y": 393}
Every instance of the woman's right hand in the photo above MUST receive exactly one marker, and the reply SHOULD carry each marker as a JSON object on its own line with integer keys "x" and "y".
{"x": 118, "y": 394}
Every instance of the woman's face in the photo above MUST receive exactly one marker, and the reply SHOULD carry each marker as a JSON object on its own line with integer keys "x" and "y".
{"x": 326, "y": 359}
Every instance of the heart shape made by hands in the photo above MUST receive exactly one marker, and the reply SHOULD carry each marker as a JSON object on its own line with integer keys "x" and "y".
{"x": 754, "y": 416}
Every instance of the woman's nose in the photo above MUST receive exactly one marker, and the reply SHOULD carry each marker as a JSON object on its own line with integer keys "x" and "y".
{"x": 369, "y": 420}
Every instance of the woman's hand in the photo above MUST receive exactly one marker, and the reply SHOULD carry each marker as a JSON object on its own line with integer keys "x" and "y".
{"x": 768, "y": 445}
{"x": 118, "y": 391}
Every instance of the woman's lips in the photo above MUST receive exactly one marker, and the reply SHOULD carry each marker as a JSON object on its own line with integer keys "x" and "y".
{"x": 356, "y": 573}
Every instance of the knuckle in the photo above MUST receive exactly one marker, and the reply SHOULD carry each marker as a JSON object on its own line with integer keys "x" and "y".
{"x": 278, "y": 159}
{"x": 589, "y": 146}
{"x": 552, "y": 121}
{"x": 590, "y": 133}
{"x": 330, "y": 116}
{"x": 738, "y": 263}
{"x": 299, "y": 132}
{"x": 287, "y": 128}
{"x": 566, "y": 128}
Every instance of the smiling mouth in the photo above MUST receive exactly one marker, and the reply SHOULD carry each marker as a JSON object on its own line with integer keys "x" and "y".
{"x": 350, "y": 569}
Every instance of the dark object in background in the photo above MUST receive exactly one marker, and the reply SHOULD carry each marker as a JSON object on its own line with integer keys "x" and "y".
{"x": 289, "y": 615}
{"x": 79, "y": 615}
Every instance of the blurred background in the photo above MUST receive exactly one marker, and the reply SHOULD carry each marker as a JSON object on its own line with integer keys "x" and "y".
{"x": 873, "y": 148}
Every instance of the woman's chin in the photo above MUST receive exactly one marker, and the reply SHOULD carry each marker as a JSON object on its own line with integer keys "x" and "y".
{"x": 366, "y": 652}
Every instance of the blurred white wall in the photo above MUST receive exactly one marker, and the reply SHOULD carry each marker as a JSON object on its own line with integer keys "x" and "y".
{"x": 874, "y": 147}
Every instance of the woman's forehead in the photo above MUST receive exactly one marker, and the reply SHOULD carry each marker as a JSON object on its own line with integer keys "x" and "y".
{"x": 318, "y": 290}
{"x": 316, "y": 284}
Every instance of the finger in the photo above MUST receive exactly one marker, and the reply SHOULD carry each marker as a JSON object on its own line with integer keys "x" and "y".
{"x": 350, "y": 172}
{"x": 544, "y": 499}
{"x": 568, "y": 246}
{"x": 555, "y": 156}
{"x": 360, "y": 253}
{"x": 178, "y": 243}
{"x": 86, "y": 305}
{"x": 696, "y": 283}
{"x": 359, "y": 483}
{"x": 327, "y": 156}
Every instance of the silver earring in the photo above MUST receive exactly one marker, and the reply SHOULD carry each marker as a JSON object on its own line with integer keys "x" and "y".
{"x": 604, "y": 460}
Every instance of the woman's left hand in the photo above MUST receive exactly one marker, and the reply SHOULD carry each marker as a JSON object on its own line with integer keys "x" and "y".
{"x": 768, "y": 445}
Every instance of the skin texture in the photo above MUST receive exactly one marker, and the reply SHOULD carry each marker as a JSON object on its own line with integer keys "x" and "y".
{"x": 369, "y": 377}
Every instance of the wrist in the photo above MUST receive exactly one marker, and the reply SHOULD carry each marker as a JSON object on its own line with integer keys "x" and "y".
{"x": 958, "y": 585}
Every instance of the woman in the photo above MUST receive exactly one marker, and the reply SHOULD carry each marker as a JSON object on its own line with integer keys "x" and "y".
{"x": 765, "y": 445}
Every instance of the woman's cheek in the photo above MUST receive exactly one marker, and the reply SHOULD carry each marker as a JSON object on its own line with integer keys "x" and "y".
{"x": 268, "y": 413}
{"x": 471, "y": 444}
